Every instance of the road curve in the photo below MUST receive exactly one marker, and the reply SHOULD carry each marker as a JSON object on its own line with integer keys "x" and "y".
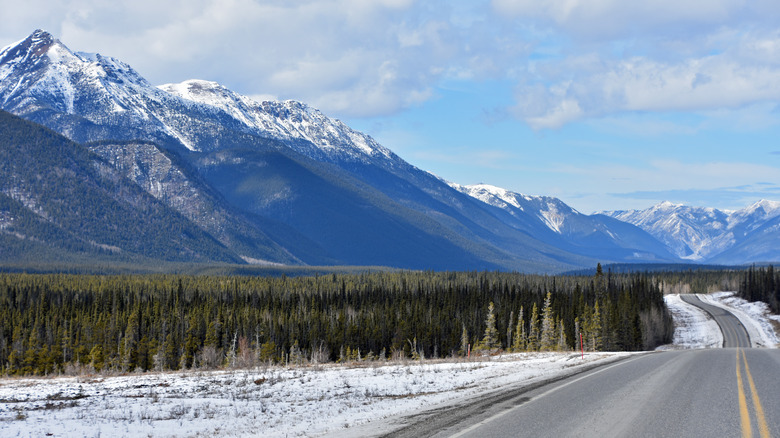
{"x": 734, "y": 333}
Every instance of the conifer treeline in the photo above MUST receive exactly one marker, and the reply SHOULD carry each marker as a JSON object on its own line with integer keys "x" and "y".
{"x": 761, "y": 284}
{"x": 127, "y": 323}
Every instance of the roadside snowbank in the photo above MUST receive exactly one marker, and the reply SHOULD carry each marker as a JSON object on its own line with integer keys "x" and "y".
{"x": 303, "y": 401}
{"x": 693, "y": 327}
{"x": 754, "y": 316}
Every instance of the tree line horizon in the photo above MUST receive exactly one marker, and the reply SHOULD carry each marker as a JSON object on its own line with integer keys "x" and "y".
{"x": 126, "y": 323}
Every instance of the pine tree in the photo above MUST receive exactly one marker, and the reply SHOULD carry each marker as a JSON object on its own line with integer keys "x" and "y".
{"x": 509, "y": 328}
{"x": 519, "y": 341}
{"x": 490, "y": 339}
{"x": 594, "y": 329}
{"x": 548, "y": 339}
{"x": 562, "y": 345}
{"x": 533, "y": 330}
{"x": 464, "y": 342}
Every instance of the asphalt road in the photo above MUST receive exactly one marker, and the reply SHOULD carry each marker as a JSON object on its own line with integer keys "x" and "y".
{"x": 734, "y": 333}
{"x": 727, "y": 392}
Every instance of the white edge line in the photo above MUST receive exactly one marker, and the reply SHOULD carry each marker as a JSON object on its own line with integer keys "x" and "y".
{"x": 549, "y": 391}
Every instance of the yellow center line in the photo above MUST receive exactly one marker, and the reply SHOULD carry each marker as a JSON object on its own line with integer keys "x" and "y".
{"x": 744, "y": 415}
{"x": 763, "y": 429}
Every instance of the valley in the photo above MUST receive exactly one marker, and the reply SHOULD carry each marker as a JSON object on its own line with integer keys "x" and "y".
{"x": 280, "y": 183}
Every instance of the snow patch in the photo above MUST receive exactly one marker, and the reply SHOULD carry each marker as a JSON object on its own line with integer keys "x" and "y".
{"x": 693, "y": 327}
{"x": 259, "y": 262}
{"x": 268, "y": 402}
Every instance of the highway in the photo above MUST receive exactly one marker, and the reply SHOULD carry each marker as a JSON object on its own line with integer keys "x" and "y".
{"x": 728, "y": 392}
{"x": 734, "y": 333}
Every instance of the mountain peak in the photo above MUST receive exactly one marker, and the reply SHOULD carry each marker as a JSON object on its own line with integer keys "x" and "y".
{"x": 667, "y": 205}
{"x": 762, "y": 210}
{"x": 41, "y": 35}
{"x": 34, "y": 46}
{"x": 767, "y": 205}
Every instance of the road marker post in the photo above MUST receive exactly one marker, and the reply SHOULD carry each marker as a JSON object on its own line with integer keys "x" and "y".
{"x": 581, "y": 347}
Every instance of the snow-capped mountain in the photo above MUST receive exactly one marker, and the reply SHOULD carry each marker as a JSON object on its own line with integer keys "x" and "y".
{"x": 596, "y": 235}
{"x": 281, "y": 182}
{"x": 552, "y": 212}
{"x": 41, "y": 73}
{"x": 44, "y": 81}
{"x": 307, "y": 129}
{"x": 705, "y": 234}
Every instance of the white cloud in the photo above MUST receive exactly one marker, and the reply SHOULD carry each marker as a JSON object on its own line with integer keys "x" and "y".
{"x": 616, "y": 57}
{"x": 610, "y": 19}
{"x": 570, "y": 59}
{"x": 354, "y": 57}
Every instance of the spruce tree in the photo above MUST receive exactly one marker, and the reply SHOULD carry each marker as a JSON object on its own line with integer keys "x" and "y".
{"x": 548, "y": 339}
{"x": 519, "y": 341}
{"x": 490, "y": 339}
{"x": 533, "y": 330}
{"x": 464, "y": 341}
{"x": 562, "y": 345}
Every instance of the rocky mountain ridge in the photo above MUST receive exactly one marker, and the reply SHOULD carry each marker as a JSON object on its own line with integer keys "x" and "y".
{"x": 280, "y": 182}
{"x": 706, "y": 234}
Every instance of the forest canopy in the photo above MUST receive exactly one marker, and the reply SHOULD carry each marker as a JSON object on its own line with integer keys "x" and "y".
{"x": 169, "y": 322}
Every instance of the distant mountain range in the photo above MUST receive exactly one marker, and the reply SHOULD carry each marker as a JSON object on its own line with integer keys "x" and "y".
{"x": 751, "y": 234}
{"x": 196, "y": 172}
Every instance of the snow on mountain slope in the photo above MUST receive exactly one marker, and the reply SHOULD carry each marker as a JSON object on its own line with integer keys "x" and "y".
{"x": 556, "y": 222}
{"x": 752, "y": 217}
{"x": 692, "y": 233}
{"x": 106, "y": 91}
{"x": 41, "y": 74}
{"x": 697, "y": 233}
{"x": 288, "y": 120}
{"x": 550, "y": 211}
{"x": 90, "y": 97}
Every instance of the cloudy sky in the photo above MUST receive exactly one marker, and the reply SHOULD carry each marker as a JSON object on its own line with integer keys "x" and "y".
{"x": 606, "y": 104}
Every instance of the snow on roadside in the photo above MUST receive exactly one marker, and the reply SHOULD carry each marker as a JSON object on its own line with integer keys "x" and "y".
{"x": 693, "y": 327}
{"x": 754, "y": 316}
{"x": 310, "y": 400}
{"x": 300, "y": 401}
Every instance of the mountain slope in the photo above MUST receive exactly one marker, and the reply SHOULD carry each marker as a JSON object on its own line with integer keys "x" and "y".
{"x": 595, "y": 235}
{"x": 110, "y": 101}
{"x": 170, "y": 180}
{"x": 317, "y": 137}
{"x": 761, "y": 244}
{"x": 711, "y": 235}
{"x": 57, "y": 194}
{"x": 279, "y": 182}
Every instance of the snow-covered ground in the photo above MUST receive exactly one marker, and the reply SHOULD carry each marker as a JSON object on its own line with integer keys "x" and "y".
{"x": 301, "y": 401}
{"x": 694, "y": 328}
{"x": 338, "y": 400}
{"x": 755, "y": 316}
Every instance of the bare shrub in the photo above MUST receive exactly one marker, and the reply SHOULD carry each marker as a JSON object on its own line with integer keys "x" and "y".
{"x": 320, "y": 354}
{"x": 246, "y": 355}
{"x": 209, "y": 357}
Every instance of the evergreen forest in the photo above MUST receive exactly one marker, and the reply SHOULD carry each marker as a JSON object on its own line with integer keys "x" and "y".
{"x": 761, "y": 284}
{"x": 52, "y": 323}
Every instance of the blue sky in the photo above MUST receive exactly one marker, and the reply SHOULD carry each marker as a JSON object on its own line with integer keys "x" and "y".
{"x": 605, "y": 104}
